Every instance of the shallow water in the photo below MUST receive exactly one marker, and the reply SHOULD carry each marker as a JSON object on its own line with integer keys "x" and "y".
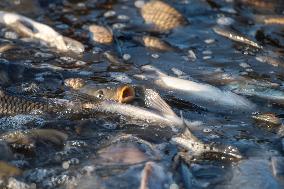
{"x": 94, "y": 154}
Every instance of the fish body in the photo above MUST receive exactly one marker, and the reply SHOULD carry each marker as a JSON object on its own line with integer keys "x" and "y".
{"x": 100, "y": 34}
{"x": 262, "y": 92}
{"x": 204, "y": 95}
{"x": 196, "y": 147}
{"x": 11, "y": 104}
{"x": 33, "y": 29}
{"x": 156, "y": 111}
{"x": 163, "y": 16}
{"x": 228, "y": 33}
{"x": 138, "y": 113}
{"x": 154, "y": 43}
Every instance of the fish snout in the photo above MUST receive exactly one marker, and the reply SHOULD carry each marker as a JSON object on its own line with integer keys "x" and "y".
{"x": 125, "y": 94}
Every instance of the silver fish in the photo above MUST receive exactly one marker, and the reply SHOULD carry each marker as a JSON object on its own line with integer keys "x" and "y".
{"x": 158, "y": 112}
{"x": 258, "y": 91}
{"x": 196, "y": 147}
{"x": 201, "y": 94}
{"x": 228, "y": 33}
{"x": 42, "y": 32}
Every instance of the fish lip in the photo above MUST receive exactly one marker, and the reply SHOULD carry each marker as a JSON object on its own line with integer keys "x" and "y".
{"x": 125, "y": 94}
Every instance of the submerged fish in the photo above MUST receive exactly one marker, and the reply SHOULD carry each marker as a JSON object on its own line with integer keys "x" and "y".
{"x": 120, "y": 93}
{"x": 261, "y": 4}
{"x": 270, "y": 19}
{"x": 228, "y": 33}
{"x": 204, "y": 95}
{"x": 196, "y": 147}
{"x": 269, "y": 120}
{"x": 26, "y": 136}
{"x": 154, "y": 43}
{"x": 258, "y": 91}
{"x": 100, "y": 34}
{"x": 33, "y": 29}
{"x": 163, "y": 16}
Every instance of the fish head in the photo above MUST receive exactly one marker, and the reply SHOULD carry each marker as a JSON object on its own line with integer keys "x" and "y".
{"x": 125, "y": 93}
{"x": 122, "y": 93}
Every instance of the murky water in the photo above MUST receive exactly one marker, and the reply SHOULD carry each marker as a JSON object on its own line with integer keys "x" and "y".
{"x": 111, "y": 151}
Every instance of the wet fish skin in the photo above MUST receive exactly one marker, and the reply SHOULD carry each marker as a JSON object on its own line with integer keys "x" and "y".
{"x": 201, "y": 94}
{"x": 262, "y": 92}
{"x": 157, "y": 111}
{"x": 25, "y": 136}
{"x": 100, "y": 34}
{"x": 16, "y": 104}
{"x": 33, "y": 29}
{"x": 136, "y": 113}
{"x": 197, "y": 147}
{"x": 154, "y": 43}
{"x": 11, "y": 104}
{"x": 228, "y": 33}
{"x": 162, "y": 15}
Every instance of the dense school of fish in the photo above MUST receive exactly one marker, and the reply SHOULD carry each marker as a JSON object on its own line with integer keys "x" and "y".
{"x": 87, "y": 98}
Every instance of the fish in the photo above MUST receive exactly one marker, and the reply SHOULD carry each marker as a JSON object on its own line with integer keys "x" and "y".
{"x": 261, "y": 4}
{"x": 262, "y": 92}
{"x": 267, "y": 120}
{"x": 154, "y": 43}
{"x": 158, "y": 111}
{"x": 25, "y": 136}
{"x": 201, "y": 94}
{"x": 33, "y": 29}
{"x": 162, "y": 15}
{"x": 12, "y": 103}
{"x": 271, "y": 60}
{"x": 196, "y": 147}
{"x": 269, "y": 19}
{"x": 228, "y": 33}
{"x": 100, "y": 34}
{"x": 120, "y": 93}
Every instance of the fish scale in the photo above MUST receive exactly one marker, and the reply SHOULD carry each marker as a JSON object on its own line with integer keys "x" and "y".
{"x": 162, "y": 15}
{"x": 16, "y": 104}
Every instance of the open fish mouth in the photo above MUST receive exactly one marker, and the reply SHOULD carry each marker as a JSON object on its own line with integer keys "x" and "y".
{"x": 125, "y": 94}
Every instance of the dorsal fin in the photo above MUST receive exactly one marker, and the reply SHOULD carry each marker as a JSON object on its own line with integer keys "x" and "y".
{"x": 153, "y": 100}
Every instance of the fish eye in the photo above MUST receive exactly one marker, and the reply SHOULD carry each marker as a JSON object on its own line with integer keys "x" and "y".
{"x": 100, "y": 94}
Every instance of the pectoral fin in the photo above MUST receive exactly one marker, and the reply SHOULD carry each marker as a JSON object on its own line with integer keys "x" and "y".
{"x": 154, "y": 101}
